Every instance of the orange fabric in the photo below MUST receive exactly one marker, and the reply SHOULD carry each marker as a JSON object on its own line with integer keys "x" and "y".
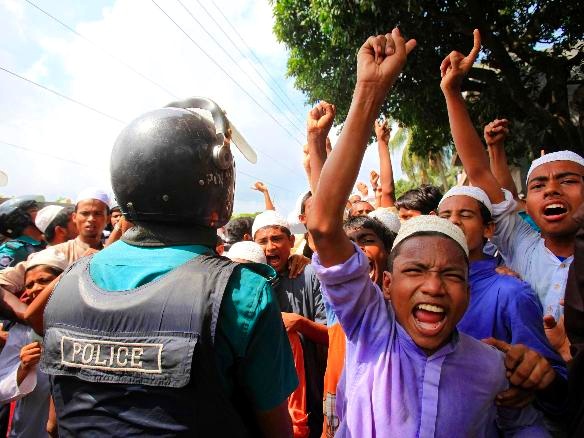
{"x": 297, "y": 400}
{"x": 334, "y": 367}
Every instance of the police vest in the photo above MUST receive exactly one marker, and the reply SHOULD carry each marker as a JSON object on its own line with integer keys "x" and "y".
{"x": 139, "y": 362}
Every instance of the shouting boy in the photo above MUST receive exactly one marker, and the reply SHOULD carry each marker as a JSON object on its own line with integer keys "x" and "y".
{"x": 408, "y": 372}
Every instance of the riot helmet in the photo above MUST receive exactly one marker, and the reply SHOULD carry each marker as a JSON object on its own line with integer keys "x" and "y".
{"x": 174, "y": 165}
{"x": 15, "y": 216}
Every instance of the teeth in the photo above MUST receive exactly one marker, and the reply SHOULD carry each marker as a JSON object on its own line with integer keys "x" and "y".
{"x": 431, "y": 308}
{"x": 554, "y": 206}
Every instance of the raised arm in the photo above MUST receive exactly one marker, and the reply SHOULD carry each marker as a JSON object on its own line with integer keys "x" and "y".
{"x": 318, "y": 124}
{"x": 261, "y": 187}
{"x": 382, "y": 132}
{"x": 466, "y": 139}
{"x": 495, "y": 134}
{"x": 379, "y": 63}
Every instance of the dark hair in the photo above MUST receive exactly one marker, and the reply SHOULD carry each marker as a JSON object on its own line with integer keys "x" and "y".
{"x": 237, "y": 228}
{"x": 424, "y": 199}
{"x": 385, "y": 234}
{"x": 395, "y": 251}
{"x": 52, "y": 269}
{"x": 485, "y": 213}
{"x": 61, "y": 220}
{"x": 303, "y": 202}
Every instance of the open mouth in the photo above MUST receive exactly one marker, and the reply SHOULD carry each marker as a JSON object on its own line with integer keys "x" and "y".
{"x": 371, "y": 270}
{"x": 554, "y": 211}
{"x": 429, "y": 318}
{"x": 273, "y": 260}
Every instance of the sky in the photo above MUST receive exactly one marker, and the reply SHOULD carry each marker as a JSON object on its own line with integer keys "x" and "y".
{"x": 121, "y": 58}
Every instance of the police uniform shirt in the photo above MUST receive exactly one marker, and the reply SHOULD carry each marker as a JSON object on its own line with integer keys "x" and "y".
{"x": 17, "y": 250}
{"x": 249, "y": 328}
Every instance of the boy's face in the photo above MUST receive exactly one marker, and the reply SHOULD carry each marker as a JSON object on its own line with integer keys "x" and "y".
{"x": 465, "y": 213}
{"x": 360, "y": 208}
{"x": 554, "y": 192}
{"x": 36, "y": 280}
{"x": 276, "y": 245}
{"x": 428, "y": 288}
{"x": 374, "y": 249}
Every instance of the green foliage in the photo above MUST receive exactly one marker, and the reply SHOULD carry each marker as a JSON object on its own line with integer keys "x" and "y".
{"x": 531, "y": 51}
{"x": 237, "y": 215}
{"x": 402, "y": 186}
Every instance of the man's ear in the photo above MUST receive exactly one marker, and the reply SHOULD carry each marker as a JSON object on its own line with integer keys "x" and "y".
{"x": 489, "y": 230}
{"x": 386, "y": 284}
{"x": 247, "y": 236}
{"x": 292, "y": 239}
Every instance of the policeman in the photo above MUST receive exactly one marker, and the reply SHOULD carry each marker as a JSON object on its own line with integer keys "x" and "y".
{"x": 17, "y": 223}
{"x": 156, "y": 335}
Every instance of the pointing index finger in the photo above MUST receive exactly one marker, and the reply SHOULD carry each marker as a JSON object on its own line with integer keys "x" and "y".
{"x": 476, "y": 44}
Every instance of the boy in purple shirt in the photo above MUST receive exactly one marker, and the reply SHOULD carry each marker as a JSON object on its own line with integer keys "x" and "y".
{"x": 408, "y": 371}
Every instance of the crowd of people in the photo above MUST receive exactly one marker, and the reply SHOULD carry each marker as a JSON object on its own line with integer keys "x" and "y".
{"x": 452, "y": 314}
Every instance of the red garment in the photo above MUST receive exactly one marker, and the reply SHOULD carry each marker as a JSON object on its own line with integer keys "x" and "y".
{"x": 297, "y": 400}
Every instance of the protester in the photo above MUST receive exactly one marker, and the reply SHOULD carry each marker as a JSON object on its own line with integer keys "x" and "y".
{"x": 501, "y": 306}
{"x": 56, "y": 223}
{"x": 302, "y": 307}
{"x": 387, "y": 366}
{"x": 382, "y": 133}
{"x": 418, "y": 201}
{"x": 555, "y": 190}
{"x": 20, "y": 378}
{"x": 360, "y": 208}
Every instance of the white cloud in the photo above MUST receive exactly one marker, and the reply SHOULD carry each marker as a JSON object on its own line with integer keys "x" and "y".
{"x": 140, "y": 35}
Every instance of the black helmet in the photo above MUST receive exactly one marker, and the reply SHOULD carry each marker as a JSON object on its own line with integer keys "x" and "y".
{"x": 14, "y": 215}
{"x": 173, "y": 165}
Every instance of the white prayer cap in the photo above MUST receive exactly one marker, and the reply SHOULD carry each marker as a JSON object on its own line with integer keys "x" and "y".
{"x": 472, "y": 192}
{"x": 433, "y": 224}
{"x": 93, "y": 193}
{"x": 246, "y": 250}
{"x": 48, "y": 257}
{"x": 555, "y": 156}
{"x": 293, "y": 217}
{"x": 46, "y": 215}
{"x": 387, "y": 218}
{"x": 269, "y": 218}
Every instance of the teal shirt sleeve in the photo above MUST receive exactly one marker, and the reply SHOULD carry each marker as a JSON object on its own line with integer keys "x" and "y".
{"x": 250, "y": 325}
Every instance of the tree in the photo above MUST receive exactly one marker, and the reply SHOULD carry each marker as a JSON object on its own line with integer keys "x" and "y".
{"x": 529, "y": 66}
{"x": 421, "y": 169}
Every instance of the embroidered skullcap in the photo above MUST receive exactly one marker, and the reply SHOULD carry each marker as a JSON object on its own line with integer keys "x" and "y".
{"x": 269, "y": 218}
{"x": 432, "y": 224}
{"x": 48, "y": 257}
{"x": 46, "y": 215}
{"x": 472, "y": 192}
{"x": 93, "y": 193}
{"x": 246, "y": 250}
{"x": 387, "y": 218}
{"x": 555, "y": 156}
